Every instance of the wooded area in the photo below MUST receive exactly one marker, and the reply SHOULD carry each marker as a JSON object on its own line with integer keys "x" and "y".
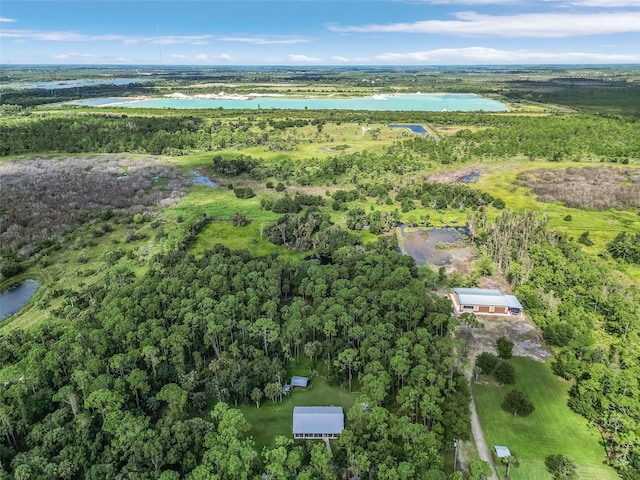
{"x": 124, "y": 387}
{"x": 136, "y": 364}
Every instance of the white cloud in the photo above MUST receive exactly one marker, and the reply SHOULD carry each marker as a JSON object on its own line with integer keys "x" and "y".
{"x": 606, "y": 3}
{"x": 88, "y": 58}
{"x": 265, "y": 41}
{"x": 304, "y": 59}
{"x": 7, "y": 20}
{"x": 489, "y": 56}
{"x": 539, "y": 25}
{"x": 67, "y": 36}
{"x": 338, "y": 58}
{"x": 179, "y": 39}
{"x": 464, "y": 2}
{"x": 225, "y": 56}
{"x": 552, "y": 3}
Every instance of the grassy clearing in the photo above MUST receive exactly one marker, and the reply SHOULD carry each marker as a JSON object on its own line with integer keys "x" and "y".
{"x": 79, "y": 263}
{"x": 602, "y": 226}
{"x": 235, "y": 238}
{"x": 273, "y": 419}
{"x": 551, "y": 429}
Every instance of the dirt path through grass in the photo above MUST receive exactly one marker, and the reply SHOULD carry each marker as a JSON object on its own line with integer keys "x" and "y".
{"x": 478, "y": 438}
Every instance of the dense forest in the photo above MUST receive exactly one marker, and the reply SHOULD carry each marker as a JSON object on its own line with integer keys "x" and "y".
{"x": 126, "y": 388}
{"x": 554, "y": 138}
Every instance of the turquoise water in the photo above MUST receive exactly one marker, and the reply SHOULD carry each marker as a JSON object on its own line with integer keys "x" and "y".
{"x": 412, "y": 102}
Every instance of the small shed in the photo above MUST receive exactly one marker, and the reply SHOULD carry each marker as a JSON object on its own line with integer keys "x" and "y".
{"x": 299, "y": 382}
{"x": 317, "y": 422}
{"x": 502, "y": 452}
{"x": 484, "y": 301}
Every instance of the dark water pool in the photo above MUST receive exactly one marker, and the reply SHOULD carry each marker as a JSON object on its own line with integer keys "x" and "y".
{"x": 422, "y": 245}
{"x": 16, "y": 297}
{"x": 419, "y": 129}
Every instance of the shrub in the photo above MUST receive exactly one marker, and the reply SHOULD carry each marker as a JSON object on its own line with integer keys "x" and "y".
{"x": 486, "y": 362}
{"x": 585, "y": 240}
{"x": 505, "y": 348}
{"x": 505, "y": 373}
{"x": 286, "y": 204}
{"x": 244, "y": 192}
{"x": 279, "y": 187}
{"x": 517, "y": 403}
{"x": 498, "y": 203}
{"x": 561, "y": 467}
{"x": 10, "y": 268}
{"x": 238, "y": 219}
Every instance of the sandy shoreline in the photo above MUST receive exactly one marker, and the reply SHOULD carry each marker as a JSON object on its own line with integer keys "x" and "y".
{"x": 220, "y": 96}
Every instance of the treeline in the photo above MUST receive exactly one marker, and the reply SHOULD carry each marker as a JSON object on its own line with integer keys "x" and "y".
{"x": 553, "y": 137}
{"x": 103, "y": 134}
{"x": 601, "y": 96}
{"x": 122, "y": 386}
{"x": 40, "y": 96}
{"x": 439, "y": 196}
{"x": 588, "y": 314}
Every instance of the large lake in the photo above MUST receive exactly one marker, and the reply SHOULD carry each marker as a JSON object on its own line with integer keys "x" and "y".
{"x": 407, "y": 102}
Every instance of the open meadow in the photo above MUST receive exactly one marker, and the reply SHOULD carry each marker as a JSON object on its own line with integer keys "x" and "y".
{"x": 551, "y": 429}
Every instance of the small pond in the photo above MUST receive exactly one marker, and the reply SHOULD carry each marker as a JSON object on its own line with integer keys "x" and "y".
{"x": 199, "y": 179}
{"x": 417, "y": 129}
{"x": 16, "y": 297}
{"x": 471, "y": 177}
{"x": 422, "y": 245}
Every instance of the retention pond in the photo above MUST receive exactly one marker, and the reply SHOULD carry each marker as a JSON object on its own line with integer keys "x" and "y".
{"x": 16, "y": 297}
{"x": 434, "y": 246}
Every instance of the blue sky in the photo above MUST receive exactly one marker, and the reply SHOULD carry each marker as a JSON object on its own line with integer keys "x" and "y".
{"x": 320, "y": 32}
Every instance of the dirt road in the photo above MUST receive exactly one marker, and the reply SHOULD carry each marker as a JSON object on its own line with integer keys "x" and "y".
{"x": 481, "y": 444}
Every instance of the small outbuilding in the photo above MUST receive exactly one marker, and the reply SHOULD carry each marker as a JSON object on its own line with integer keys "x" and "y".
{"x": 484, "y": 301}
{"x": 299, "y": 382}
{"x": 317, "y": 422}
{"x": 502, "y": 452}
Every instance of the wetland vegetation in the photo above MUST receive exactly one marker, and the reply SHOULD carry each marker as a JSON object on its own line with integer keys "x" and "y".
{"x": 169, "y": 311}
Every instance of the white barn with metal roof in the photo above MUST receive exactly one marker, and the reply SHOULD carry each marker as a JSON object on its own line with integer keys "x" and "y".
{"x": 484, "y": 301}
{"x": 317, "y": 422}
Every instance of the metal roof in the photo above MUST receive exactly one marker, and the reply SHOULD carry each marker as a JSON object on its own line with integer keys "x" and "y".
{"x": 299, "y": 381}
{"x": 486, "y": 297}
{"x": 513, "y": 302}
{"x": 502, "y": 452}
{"x": 322, "y": 420}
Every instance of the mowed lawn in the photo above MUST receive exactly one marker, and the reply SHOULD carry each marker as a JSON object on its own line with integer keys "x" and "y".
{"x": 273, "y": 419}
{"x": 551, "y": 429}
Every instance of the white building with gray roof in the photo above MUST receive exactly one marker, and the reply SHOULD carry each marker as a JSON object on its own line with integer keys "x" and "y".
{"x": 317, "y": 422}
{"x": 484, "y": 301}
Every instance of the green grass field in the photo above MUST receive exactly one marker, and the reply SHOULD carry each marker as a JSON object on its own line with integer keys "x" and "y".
{"x": 551, "y": 429}
{"x": 602, "y": 225}
{"x": 273, "y": 419}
